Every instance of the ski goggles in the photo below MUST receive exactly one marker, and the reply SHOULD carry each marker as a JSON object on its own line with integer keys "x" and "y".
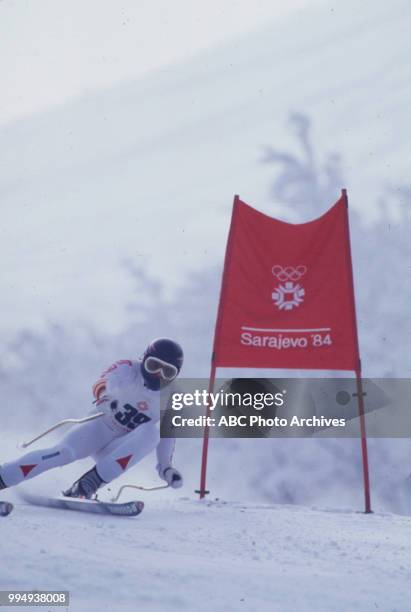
{"x": 154, "y": 365}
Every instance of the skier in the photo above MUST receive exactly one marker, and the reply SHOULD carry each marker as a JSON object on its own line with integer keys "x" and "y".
{"x": 129, "y": 395}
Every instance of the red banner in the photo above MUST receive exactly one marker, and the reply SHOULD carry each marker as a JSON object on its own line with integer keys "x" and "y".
{"x": 287, "y": 298}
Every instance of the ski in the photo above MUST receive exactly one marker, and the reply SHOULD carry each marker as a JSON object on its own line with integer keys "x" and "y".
{"x": 5, "y": 508}
{"x": 131, "y": 508}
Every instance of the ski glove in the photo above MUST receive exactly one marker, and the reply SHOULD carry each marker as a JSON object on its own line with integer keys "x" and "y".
{"x": 173, "y": 477}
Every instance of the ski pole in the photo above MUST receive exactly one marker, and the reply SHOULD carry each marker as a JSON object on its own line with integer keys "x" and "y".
{"x": 59, "y": 424}
{"x": 129, "y": 486}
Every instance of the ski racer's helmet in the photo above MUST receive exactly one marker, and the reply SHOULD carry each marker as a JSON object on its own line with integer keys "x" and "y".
{"x": 161, "y": 362}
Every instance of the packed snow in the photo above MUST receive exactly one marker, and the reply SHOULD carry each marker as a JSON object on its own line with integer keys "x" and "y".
{"x": 183, "y": 554}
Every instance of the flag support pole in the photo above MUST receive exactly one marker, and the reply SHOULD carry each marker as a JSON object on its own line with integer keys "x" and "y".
{"x": 364, "y": 451}
{"x": 360, "y": 392}
{"x": 206, "y": 436}
{"x": 202, "y": 491}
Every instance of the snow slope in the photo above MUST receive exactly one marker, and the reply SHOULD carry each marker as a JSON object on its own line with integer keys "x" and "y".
{"x": 182, "y": 554}
{"x": 147, "y": 171}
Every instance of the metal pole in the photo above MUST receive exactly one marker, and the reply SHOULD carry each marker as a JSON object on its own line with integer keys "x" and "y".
{"x": 364, "y": 451}
{"x": 140, "y": 488}
{"x": 59, "y": 424}
{"x": 202, "y": 491}
{"x": 360, "y": 393}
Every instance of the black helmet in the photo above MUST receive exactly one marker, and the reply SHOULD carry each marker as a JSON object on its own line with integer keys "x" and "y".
{"x": 162, "y": 361}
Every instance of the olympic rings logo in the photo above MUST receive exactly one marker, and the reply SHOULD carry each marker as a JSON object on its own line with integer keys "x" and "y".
{"x": 289, "y": 273}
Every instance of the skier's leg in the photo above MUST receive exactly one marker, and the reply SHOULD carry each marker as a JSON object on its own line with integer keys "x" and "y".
{"x": 78, "y": 443}
{"x": 121, "y": 454}
{"x": 114, "y": 458}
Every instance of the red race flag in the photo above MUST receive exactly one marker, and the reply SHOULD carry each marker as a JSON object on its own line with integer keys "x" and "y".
{"x": 287, "y": 294}
{"x": 287, "y": 302}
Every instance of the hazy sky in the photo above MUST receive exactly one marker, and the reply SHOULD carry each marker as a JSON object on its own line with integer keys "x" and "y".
{"x": 114, "y": 160}
{"x": 51, "y": 50}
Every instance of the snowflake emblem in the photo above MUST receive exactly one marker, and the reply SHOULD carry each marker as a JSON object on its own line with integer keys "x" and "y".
{"x": 288, "y": 295}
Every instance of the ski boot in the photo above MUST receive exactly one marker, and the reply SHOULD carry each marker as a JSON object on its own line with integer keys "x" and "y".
{"x": 86, "y": 486}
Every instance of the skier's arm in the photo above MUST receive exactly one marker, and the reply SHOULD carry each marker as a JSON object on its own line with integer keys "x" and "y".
{"x": 111, "y": 379}
{"x": 99, "y": 390}
{"x": 165, "y": 450}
